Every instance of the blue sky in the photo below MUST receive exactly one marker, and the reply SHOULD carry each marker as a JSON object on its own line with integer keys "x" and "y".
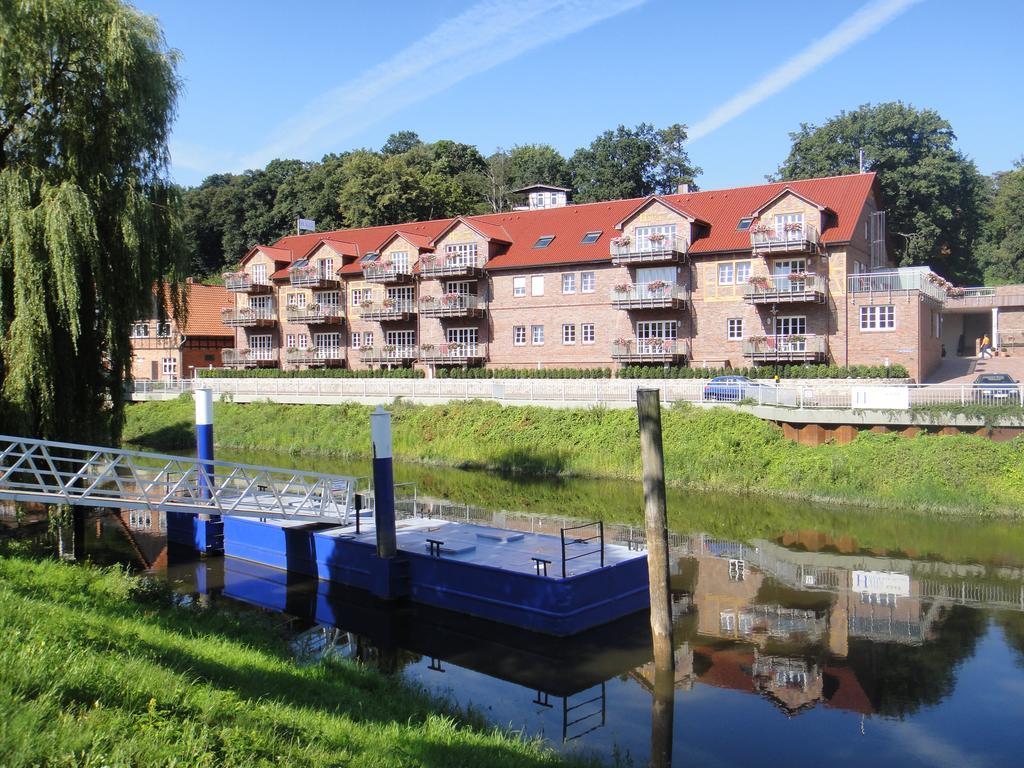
{"x": 268, "y": 79}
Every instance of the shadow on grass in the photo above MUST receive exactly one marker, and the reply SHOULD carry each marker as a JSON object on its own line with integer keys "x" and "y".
{"x": 517, "y": 461}
{"x": 171, "y": 437}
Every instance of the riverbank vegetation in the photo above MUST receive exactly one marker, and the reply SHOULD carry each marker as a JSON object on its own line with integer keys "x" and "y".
{"x": 709, "y": 449}
{"x": 100, "y": 667}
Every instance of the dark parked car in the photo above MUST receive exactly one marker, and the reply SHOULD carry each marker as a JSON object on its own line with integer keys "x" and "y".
{"x": 996, "y": 388}
{"x": 732, "y": 388}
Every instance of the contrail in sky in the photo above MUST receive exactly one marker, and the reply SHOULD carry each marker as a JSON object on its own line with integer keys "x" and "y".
{"x": 485, "y": 35}
{"x": 868, "y": 19}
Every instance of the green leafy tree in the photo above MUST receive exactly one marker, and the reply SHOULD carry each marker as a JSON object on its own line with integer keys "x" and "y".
{"x": 400, "y": 142}
{"x": 537, "y": 164}
{"x": 1002, "y": 253}
{"x": 88, "y": 221}
{"x": 934, "y": 196}
{"x": 631, "y": 162}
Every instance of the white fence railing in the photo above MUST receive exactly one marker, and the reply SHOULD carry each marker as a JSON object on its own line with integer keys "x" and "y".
{"x": 838, "y": 394}
{"x": 898, "y": 280}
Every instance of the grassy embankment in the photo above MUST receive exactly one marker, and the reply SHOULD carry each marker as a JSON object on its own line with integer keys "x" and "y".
{"x": 100, "y": 668}
{"x": 712, "y": 449}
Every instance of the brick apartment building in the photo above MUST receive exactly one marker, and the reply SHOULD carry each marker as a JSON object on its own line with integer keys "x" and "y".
{"x": 777, "y": 273}
{"x": 163, "y": 350}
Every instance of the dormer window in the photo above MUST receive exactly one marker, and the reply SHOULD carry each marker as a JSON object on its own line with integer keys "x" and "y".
{"x": 369, "y": 258}
{"x": 544, "y": 241}
{"x": 745, "y": 223}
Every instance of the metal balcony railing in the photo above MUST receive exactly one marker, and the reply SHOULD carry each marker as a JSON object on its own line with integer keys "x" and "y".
{"x": 452, "y": 305}
{"x": 898, "y": 281}
{"x": 386, "y": 273}
{"x": 801, "y": 237}
{"x": 248, "y": 357}
{"x": 315, "y": 355}
{"x": 450, "y": 352}
{"x": 652, "y": 249}
{"x": 244, "y": 283}
{"x": 388, "y": 309}
{"x": 800, "y": 347}
{"x": 389, "y": 353}
{"x": 315, "y": 313}
{"x": 654, "y": 295}
{"x": 313, "y": 279}
{"x": 795, "y": 287}
{"x": 247, "y": 316}
{"x": 435, "y": 268}
{"x": 649, "y": 350}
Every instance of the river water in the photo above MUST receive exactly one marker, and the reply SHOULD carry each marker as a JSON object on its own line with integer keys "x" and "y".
{"x": 804, "y": 634}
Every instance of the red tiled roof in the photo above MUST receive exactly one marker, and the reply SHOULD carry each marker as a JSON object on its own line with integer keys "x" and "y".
{"x": 204, "y": 305}
{"x": 721, "y": 209}
{"x": 481, "y": 226}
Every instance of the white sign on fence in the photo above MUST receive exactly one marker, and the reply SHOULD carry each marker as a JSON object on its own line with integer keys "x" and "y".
{"x": 881, "y": 583}
{"x": 896, "y": 397}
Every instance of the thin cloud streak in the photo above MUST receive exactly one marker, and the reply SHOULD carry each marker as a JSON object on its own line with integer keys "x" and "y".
{"x": 484, "y": 36}
{"x": 864, "y": 22}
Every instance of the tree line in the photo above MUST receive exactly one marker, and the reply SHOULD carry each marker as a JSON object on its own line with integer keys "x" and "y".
{"x": 941, "y": 210}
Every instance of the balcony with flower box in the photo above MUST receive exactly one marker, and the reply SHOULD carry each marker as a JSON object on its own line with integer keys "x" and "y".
{"x": 386, "y": 272}
{"x": 435, "y": 268}
{"x": 666, "y": 351}
{"x": 387, "y": 310}
{"x": 249, "y": 358}
{"x": 315, "y": 314}
{"x": 451, "y": 353}
{"x": 792, "y": 238}
{"x": 313, "y": 277}
{"x": 657, "y": 294}
{"x": 247, "y": 317}
{"x": 452, "y": 305}
{"x": 316, "y": 357}
{"x": 793, "y": 288}
{"x": 648, "y": 249}
{"x": 786, "y": 348}
{"x": 389, "y": 354}
{"x": 243, "y": 282}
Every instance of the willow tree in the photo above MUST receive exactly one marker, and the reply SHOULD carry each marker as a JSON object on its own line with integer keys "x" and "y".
{"x": 89, "y": 222}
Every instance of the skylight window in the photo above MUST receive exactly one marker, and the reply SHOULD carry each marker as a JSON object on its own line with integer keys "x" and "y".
{"x": 370, "y": 257}
{"x": 591, "y": 237}
{"x": 300, "y": 263}
{"x": 544, "y": 241}
{"x": 745, "y": 223}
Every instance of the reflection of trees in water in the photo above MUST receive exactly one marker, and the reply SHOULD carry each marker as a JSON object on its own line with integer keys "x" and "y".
{"x": 1012, "y": 624}
{"x": 901, "y": 679}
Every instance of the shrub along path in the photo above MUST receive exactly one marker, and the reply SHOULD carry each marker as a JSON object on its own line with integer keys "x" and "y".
{"x": 100, "y": 668}
{"x": 711, "y": 449}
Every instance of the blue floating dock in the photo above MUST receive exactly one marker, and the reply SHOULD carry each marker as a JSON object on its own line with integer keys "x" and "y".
{"x": 490, "y": 573}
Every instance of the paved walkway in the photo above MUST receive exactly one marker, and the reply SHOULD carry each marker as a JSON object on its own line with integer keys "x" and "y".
{"x": 958, "y": 370}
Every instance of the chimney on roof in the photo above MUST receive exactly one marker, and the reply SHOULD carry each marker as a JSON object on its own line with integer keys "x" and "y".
{"x": 683, "y": 189}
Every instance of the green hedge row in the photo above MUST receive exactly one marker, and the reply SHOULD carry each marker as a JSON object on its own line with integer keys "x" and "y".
{"x": 767, "y": 372}
{"x": 312, "y": 373}
{"x": 524, "y": 373}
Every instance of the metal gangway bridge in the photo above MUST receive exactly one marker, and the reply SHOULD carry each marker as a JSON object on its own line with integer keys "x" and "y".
{"x": 49, "y": 472}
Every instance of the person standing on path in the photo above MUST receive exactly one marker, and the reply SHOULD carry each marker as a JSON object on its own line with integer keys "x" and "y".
{"x": 986, "y": 347}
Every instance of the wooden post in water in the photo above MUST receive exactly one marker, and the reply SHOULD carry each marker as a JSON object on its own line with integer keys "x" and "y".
{"x": 652, "y": 457}
{"x": 648, "y": 406}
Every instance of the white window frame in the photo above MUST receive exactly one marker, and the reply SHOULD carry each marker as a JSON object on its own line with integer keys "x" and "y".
{"x": 878, "y": 318}
{"x": 259, "y": 274}
{"x": 518, "y": 287}
{"x": 658, "y": 329}
{"x": 399, "y": 261}
{"x": 460, "y": 287}
{"x": 568, "y": 333}
{"x": 519, "y": 335}
{"x": 734, "y": 328}
{"x": 642, "y": 236}
{"x": 327, "y": 299}
{"x": 404, "y": 338}
{"x": 536, "y": 285}
{"x": 261, "y": 347}
{"x": 746, "y": 268}
{"x": 460, "y": 255}
{"x": 325, "y": 269}
{"x": 588, "y": 333}
{"x": 140, "y": 331}
{"x": 568, "y": 282}
{"x": 537, "y": 335}
{"x": 726, "y": 273}
{"x": 588, "y": 282}
{"x": 261, "y": 304}
{"x": 169, "y": 367}
{"x": 297, "y": 299}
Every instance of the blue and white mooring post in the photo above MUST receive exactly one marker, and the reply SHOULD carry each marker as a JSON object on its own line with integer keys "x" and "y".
{"x": 383, "y": 484}
{"x": 204, "y": 440}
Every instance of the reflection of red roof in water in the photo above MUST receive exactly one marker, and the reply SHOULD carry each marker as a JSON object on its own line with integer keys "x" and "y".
{"x": 732, "y": 668}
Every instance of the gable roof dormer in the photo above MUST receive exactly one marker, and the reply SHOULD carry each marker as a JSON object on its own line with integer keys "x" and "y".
{"x": 788, "y": 191}
{"x": 489, "y": 232}
{"x": 419, "y": 242}
{"x": 647, "y": 202}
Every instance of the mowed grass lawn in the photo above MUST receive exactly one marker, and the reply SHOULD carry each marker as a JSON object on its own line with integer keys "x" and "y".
{"x": 101, "y": 668}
